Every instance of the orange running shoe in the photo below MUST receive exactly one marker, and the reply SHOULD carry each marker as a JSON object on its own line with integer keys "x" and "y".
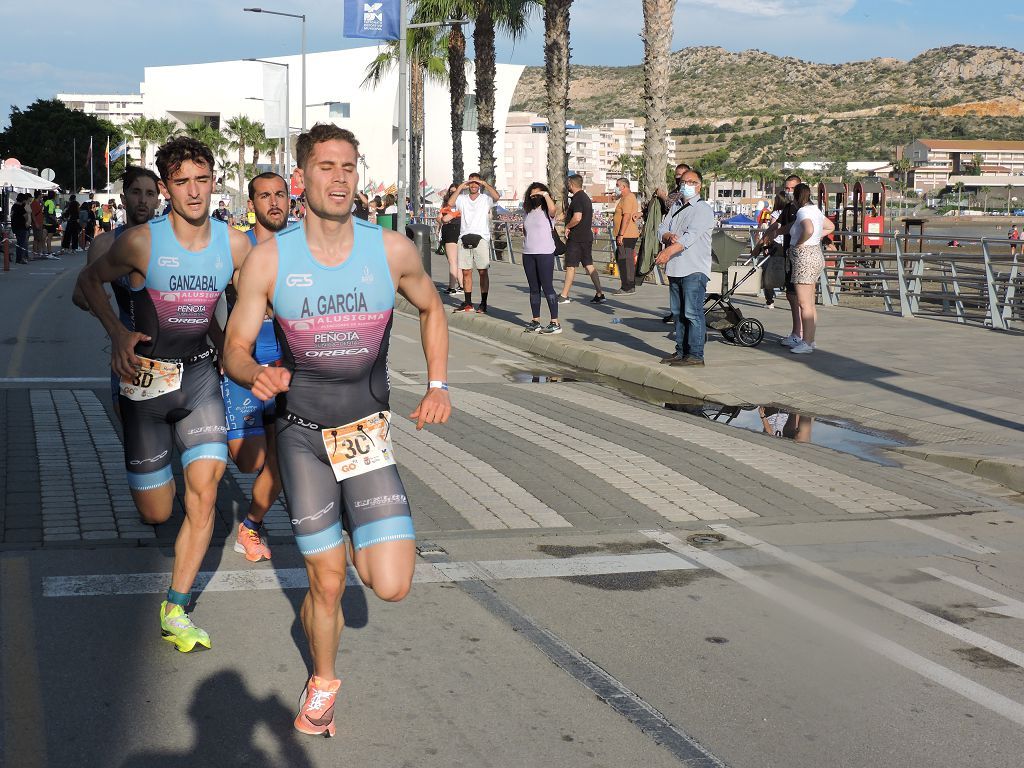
{"x": 252, "y": 544}
{"x": 316, "y": 711}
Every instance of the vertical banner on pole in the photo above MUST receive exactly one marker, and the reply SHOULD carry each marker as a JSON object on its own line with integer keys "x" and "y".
{"x": 374, "y": 19}
{"x": 275, "y": 89}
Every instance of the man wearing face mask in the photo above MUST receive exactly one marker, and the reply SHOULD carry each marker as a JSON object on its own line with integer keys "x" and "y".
{"x": 670, "y": 198}
{"x": 781, "y": 227}
{"x": 686, "y": 233}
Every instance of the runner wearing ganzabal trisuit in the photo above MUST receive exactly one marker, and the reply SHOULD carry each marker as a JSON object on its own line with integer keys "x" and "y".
{"x": 170, "y": 392}
{"x": 331, "y": 282}
{"x": 140, "y": 197}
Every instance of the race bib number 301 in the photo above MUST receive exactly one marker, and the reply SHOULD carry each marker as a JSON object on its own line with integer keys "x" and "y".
{"x": 151, "y": 379}
{"x": 360, "y": 447}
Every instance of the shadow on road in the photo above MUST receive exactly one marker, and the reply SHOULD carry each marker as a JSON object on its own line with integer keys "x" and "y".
{"x": 225, "y": 716}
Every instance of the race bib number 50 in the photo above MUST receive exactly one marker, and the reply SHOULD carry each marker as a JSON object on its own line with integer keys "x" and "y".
{"x": 360, "y": 447}
{"x": 151, "y": 379}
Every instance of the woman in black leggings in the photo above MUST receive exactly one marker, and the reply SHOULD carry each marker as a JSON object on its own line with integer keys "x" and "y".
{"x": 539, "y": 255}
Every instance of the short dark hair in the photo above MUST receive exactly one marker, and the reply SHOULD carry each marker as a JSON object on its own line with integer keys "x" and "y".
{"x": 474, "y": 177}
{"x": 528, "y": 204}
{"x": 683, "y": 165}
{"x": 576, "y": 180}
{"x": 793, "y": 177}
{"x": 171, "y": 156}
{"x": 318, "y": 134}
{"x": 135, "y": 172}
{"x": 698, "y": 174}
{"x": 801, "y": 195}
{"x": 623, "y": 179}
{"x": 265, "y": 175}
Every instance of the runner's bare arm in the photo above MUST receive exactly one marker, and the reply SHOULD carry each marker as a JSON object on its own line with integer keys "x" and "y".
{"x": 254, "y": 287}
{"x": 240, "y": 248}
{"x": 97, "y": 248}
{"x": 130, "y": 253}
{"x": 417, "y": 287}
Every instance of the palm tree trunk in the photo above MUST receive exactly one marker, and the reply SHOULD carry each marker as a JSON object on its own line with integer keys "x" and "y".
{"x": 657, "y": 37}
{"x": 457, "y": 87}
{"x": 241, "y": 169}
{"x": 556, "y": 81}
{"x": 416, "y": 77}
{"x": 486, "y": 71}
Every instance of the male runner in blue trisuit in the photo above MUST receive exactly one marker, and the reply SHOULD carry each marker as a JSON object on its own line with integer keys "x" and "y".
{"x": 140, "y": 198}
{"x": 331, "y": 282}
{"x": 169, "y": 389}
{"x": 250, "y": 420}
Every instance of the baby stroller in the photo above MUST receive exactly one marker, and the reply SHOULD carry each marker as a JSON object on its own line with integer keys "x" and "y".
{"x": 725, "y": 317}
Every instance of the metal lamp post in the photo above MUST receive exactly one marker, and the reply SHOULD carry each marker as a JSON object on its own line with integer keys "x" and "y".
{"x": 403, "y": 103}
{"x": 287, "y": 121}
{"x": 302, "y": 17}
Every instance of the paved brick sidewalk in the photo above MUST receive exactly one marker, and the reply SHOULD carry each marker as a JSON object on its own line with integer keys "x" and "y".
{"x": 953, "y": 392}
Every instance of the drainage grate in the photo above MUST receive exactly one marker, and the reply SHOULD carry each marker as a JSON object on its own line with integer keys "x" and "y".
{"x": 700, "y": 539}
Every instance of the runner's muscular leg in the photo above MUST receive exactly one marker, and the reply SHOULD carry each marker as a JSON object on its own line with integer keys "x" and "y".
{"x": 267, "y": 485}
{"x": 249, "y": 453}
{"x": 202, "y": 477}
{"x": 321, "y": 612}
{"x": 387, "y": 568}
{"x": 155, "y": 506}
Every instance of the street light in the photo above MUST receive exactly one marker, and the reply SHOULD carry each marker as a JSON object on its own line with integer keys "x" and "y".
{"x": 403, "y": 105}
{"x": 301, "y": 16}
{"x": 287, "y": 121}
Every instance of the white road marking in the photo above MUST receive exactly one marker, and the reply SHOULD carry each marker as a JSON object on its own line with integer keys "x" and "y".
{"x": 484, "y": 496}
{"x": 949, "y": 538}
{"x": 55, "y": 380}
{"x": 979, "y": 694}
{"x": 1009, "y": 606}
{"x": 670, "y": 494}
{"x": 426, "y": 573}
{"x": 848, "y": 493}
{"x": 484, "y": 371}
{"x": 399, "y": 377}
{"x": 929, "y": 620}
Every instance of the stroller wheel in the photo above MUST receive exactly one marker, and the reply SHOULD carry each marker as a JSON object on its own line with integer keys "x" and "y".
{"x": 749, "y": 332}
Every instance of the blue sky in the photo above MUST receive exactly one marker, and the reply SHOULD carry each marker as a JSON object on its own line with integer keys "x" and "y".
{"x": 104, "y": 47}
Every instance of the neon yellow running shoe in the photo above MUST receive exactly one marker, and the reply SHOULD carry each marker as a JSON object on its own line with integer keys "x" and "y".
{"x": 176, "y": 627}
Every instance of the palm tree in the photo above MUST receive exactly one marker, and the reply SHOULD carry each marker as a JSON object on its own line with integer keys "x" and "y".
{"x": 511, "y": 17}
{"x": 200, "y": 130}
{"x": 657, "y": 37}
{"x": 146, "y": 131}
{"x": 556, "y": 84}
{"x": 243, "y": 132}
{"x": 427, "y": 61}
{"x": 165, "y": 130}
{"x": 441, "y": 10}
{"x": 258, "y": 142}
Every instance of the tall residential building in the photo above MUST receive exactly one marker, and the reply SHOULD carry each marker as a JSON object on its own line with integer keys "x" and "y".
{"x": 117, "y": 108}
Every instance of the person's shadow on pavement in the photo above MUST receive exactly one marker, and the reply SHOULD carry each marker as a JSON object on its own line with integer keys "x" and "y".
{"x": 225, "y": 715}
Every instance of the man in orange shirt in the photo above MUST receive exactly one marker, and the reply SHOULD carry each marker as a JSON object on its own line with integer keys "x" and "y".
{"x": 626, "y": 235}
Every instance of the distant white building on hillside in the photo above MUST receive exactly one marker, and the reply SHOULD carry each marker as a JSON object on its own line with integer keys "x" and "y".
{"x": 934, "y": 161}
{"x": 117, "y": 108}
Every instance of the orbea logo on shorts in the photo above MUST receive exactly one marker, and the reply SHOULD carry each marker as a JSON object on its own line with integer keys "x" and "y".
{"x": 300, "y": 281}
{"x": 167, "y": 261}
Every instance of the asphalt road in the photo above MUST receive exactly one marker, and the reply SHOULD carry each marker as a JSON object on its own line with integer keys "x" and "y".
{"x": 560, "y": 615}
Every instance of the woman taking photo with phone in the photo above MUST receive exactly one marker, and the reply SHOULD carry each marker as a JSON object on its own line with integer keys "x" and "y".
{"x": 539, "y": 255}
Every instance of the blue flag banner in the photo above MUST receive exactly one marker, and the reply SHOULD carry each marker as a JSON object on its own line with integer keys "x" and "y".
{"x": 117, "y": 152}
{"x": 374, "y": 19}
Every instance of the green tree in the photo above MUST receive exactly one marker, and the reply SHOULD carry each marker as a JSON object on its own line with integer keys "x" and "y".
{"x": 657, "y": 37}
{"x": 427, "y": 55}
{"x": 43, "y": 134}
{"x": 146, "y": 131}
{"x": 490, "y": 16}
{"x": 244, "y": 132}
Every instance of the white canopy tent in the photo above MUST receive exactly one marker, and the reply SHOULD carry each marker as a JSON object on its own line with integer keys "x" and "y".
{"x": 11, "y": 176}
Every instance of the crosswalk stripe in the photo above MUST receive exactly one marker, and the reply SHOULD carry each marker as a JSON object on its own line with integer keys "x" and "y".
{"x": 486, "y": 498}
{"x": 260, "y": 578}
{"x": 840, "y": 490}
{"x": 670, "y": 494}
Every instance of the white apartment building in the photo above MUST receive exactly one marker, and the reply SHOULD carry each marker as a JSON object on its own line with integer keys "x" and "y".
{"x": 118, "y": 108}
{"x": 935, "y": 160}
{"x": 627, "y": 138}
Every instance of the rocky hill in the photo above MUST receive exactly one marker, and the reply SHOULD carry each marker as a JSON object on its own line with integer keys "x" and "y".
{"x": 866, "y": 107}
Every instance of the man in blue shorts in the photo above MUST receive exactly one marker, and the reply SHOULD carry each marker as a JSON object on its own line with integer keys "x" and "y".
{"x": 250, "y": 421}
{"x": 140, "y": 198}
{"x": 169, "y": 388}
{"x": 331, "y": 283}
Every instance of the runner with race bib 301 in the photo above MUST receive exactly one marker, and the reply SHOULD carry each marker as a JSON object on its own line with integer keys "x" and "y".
{"x": 331, "y": 282}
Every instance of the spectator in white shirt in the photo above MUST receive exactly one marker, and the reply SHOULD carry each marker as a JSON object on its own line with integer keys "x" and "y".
{"x": 474, "y": 236}
{"x": 808, "y": 260}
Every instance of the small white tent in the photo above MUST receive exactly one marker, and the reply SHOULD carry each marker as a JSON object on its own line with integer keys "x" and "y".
{"x": 12, "y": 176}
